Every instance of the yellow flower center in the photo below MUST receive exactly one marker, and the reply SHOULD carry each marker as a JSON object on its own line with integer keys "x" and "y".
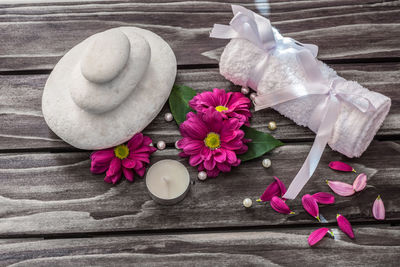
{"x": 121, "y": 151}
{"x": 221, "y": 108}
{"x": 212, "y": 141}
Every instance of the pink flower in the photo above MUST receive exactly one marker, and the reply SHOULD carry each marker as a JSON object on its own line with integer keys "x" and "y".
{"x": 317, "y": 235}
{"x": 276, "y": 188}
{"x": 228, "y": 105}
{"x": 324, "y": 198}
{"x": 341, "y": 166}
{"x": 280, "y": 206}
{"x": 345, "y": 225}
{"x": 211, "y": 143}
{"x": 124, "y": 158}
{"x": 310, "y": 205}
{"x": 378, "y": 209}
{"x": 340, "y": 188}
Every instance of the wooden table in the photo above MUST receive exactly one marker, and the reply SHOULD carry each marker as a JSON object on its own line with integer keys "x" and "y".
{"x": 54, "y": 212}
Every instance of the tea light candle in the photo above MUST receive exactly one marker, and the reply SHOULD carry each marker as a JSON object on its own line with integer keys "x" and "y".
{"x": 167, "y": 181}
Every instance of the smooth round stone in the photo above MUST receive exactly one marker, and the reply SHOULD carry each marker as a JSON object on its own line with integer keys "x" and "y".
{"x": 168, "y": 117}
{"x": 161, "y": 145}
{"x": 202, "y": 175}
{"x": 266, "y": 163}
{"x": 106, "y": 56}
{"x": 143, "y": 100}
{"x": 247, "y": 202}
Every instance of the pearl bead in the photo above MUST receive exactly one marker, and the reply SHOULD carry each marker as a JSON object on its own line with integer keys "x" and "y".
{"x": 168, "y": 117}
{"x": 161, "y": 145}
{"x": 272, "y": 125}
{"x": 245, "y": 90}
{"x": 253, "y": 96}
{"x": 202, "y": 175}
{"x": 247, "y": 202}
{"x": 266, "y": 163}
{"x": 176, "y": 145}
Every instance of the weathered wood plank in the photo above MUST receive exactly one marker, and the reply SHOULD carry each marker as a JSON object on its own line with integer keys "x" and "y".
{"x": 23, "y": 127}
{"x": 373, "y": 246}
{"x": 56, "y": 193}
{"x": 36, "y": 36}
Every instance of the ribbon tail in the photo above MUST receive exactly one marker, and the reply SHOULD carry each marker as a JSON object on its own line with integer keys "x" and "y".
{"x": 324, "y": 133}
{"x": 223, "y": 32}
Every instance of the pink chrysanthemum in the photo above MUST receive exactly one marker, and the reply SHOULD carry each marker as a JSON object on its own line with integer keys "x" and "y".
{"x": 211, "y": 142}
{"x": 229, "y": 105}
{"x": 124, "y": 158}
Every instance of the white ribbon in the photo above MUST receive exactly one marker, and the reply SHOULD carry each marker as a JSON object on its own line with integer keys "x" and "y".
{"x": 258, "y": 30}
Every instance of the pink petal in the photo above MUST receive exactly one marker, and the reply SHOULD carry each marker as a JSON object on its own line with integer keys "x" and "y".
{"x": 378, "y": 209}
{"x": 276, "y": 188}
{"x": 135, "y": 142}
{"x": 128, "y": 174}
{"x": 310, "y": 205}
{"x": 129, "y": 163}
{"x": 340, "y": 166}
{"x": 324, "y": 198}
{"x": 317, "y": 235}
{"x": 140, "y": 171}
{"x": 280, "y": 206}
{"x": 345, "y": 225}
{"x": 340, "y": 188}
{"x": 97, "y": 168}
{"x": 115, "y": 167}
{"x": 102, "y": 156}
{"x": 360, "y": 182}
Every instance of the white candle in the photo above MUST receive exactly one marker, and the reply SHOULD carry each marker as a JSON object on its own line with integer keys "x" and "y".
{"x": 167, "y": 181}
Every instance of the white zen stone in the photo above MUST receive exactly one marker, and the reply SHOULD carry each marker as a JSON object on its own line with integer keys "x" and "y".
{"x": 202, "y": 175}
{"x": 247, "y": 202}
{"x": 109, "y": 87}
{"x": 161, "y": 145}
{"x": 266, "y": 163}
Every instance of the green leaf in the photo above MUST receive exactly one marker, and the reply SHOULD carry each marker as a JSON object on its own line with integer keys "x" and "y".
{"x": 179, "y": 102}
{"x": 260, "y": 143}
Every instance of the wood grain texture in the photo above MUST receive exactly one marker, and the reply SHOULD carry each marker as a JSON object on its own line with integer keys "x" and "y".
{"x": 23, "y": 126}
{"x": 36, "y": 36}
{"x": 52, "y": 193}
{"x": 373, "y": 246}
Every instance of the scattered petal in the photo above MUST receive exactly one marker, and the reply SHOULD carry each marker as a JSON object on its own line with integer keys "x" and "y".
{"x": 360, "y": 182}
{"x": 341, "y": 166}
{"x": 317, "y": 235}
{"x": 378, "y": 209}
{"x": 276, "y": 188}
{"x": 324, "y": 198}
{"x": 280, "y": 206}
{"x": 340, "y": 188}
{"x": 311, "y": 206}
{"x": 345, "y": 225}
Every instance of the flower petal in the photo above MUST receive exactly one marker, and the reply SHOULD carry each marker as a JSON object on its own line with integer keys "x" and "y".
{"x": 102, "y": 156}
{"x": 340, "y": 166}
{"x": 281, "y": 185}
{"x": 324, "y": 198}
{"x": 128, "y": 174}
{"x": 271, "y": 191}
{"x": 360, "y": 182}
{"x": 317, "y": 235}
{"x": 310, "y": 205}
{"x": 115, "y": 167}
{"x": 340, "y": 188}
{"x": 345, "y": 225}
{"x": 378, "y": 209}
{"x": 280, "y": 206}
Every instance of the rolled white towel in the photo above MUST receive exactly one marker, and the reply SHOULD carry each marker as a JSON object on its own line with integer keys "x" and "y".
{"x": 353, "y": 130}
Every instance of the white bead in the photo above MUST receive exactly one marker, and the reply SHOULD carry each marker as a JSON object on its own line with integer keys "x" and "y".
{"x": 168, "y": 117}
{"x": 272, "y": 125}
{"x": 202, "y": 175}
{"x": 161, "y": 145}
{"x": 253, "y": 96}
{"x": 247, "y": 202}
{"x": 266, "y": 163}
{"x": 244, "y": 90}
{"x": 176, "y": 145}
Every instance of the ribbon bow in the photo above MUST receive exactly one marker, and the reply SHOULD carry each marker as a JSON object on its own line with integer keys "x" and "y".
{"x": 258, "y": 30}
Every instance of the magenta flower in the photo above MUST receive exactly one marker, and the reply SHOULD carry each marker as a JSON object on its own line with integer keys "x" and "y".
{"x": 311, "y": 206}
{"x": 124, "y": 158}
{"x": 276, "y": 188}
{"x": 317, "y": 235}
{"x": 229, "y": 105}
{"x": 378, "y": 209}
{"x": 340, "y": 188}
{"x": 360, "y": 182}
{"x": 324, "y": 198}
{"x": 341, "y": 166}
{"x": 211, "y": 143}
{"x": 345, "y": 225}
{"x": 280, "y": 206}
